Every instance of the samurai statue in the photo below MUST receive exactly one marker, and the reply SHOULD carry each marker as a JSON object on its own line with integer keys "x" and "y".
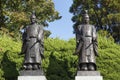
{"x": 33, "y": 45}
{"x": 86, "y": 45}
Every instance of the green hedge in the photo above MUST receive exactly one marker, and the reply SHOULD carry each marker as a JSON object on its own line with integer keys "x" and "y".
{"x": 9, "y": 57}
{"x": 59, "y": 62}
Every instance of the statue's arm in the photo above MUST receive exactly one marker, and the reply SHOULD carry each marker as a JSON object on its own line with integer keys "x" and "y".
{"x": 24, "y": 35}
{"x": 41, "y": 40}
{"x": 78, "y": 40}
{"x": 78, "y": 33}
{"x": 95, "y": 43}
{"x": 94, "y": 34}
{"x": 40, "y": 33}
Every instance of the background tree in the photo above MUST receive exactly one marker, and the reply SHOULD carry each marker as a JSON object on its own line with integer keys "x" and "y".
{"x": 104, "y": 14}
{"x": 15, "y": 13}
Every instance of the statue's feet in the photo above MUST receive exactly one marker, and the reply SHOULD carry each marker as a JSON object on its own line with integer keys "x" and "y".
{"x": 24, "y": 67}
{"x": 29, "y": 67}
{"x": 36, "y": 67}
{"x": 91, "y": 67}
{"x": 84, "y": 67}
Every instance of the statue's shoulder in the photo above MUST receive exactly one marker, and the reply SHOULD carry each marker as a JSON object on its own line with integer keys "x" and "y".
{"x": 40, "y": 25}
{"x": 80, "y": 26}
{"x": 93, "y": 26}
{"x": 27, "y": 26}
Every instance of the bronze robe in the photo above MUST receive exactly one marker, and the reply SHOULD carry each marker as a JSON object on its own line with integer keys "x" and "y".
{"x": 86, "y": 47}
{"x": 33, "y": 44}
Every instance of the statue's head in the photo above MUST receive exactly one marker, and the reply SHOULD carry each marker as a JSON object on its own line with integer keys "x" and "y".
{"x": 86, "y": 17}
{"x": 33, "y": 18}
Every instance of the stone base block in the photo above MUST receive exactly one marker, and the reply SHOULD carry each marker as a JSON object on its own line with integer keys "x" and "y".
{"x": 31, "y": 73}
{"x": 32, "y": 78}
{"x": 88, "y": 78}
{"x": 88, "y": 75}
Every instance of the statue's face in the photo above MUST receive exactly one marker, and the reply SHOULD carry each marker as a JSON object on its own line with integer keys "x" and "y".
{"x": 33, "y": 19}
{"x": 86, "y": 20}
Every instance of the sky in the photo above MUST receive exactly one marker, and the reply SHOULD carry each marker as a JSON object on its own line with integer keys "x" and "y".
{"x": 62, "y": 28}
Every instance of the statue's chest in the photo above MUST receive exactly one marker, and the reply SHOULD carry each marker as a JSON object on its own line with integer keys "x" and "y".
{"x": 87, "y": 31}
{"x": 32, "y": 29}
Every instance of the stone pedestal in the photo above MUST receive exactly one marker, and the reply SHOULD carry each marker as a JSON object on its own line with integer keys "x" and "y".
{"x": 31, "y": 75}
{"x": 32, "y": 78}
{"x": 88, "y": 75}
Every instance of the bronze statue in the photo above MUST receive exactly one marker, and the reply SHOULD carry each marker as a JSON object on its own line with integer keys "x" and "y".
{"x": 86, "y": 45}
{"x": 33, "y": 45}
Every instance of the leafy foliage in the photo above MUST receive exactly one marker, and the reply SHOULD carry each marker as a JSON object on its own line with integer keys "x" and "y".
{"x": 14, "y": 14}
{"x": 9, "y": 58}
{"x": 108, "y": 61}
{"x": 104, "y": 14}
{"x": 59, "y": 62}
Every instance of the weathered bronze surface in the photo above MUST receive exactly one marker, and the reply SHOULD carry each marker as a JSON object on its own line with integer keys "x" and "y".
{"x": 86, "y": 45}
{"x": 33, "y": 45}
